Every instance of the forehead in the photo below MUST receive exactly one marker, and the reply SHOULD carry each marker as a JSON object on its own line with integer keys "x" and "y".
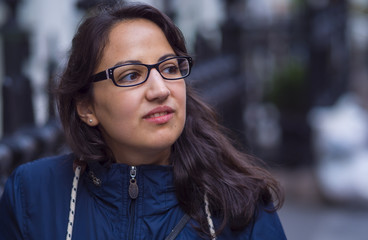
{"x": 135, "y": 39}
{"x": 137, "y": 24}
{"x": 133, "y": 30}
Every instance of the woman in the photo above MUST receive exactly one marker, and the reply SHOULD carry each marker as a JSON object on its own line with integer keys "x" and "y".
{"x": 149, "y": 159}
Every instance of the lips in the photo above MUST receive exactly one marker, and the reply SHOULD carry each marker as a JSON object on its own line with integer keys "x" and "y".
{"x": 159, "y": 115}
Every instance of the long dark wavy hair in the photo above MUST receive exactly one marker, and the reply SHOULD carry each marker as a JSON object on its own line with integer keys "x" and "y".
{"x": 204, "y": 159}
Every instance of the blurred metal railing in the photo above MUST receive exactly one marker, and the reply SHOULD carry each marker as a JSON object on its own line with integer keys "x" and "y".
{"x": 28, "y": 144}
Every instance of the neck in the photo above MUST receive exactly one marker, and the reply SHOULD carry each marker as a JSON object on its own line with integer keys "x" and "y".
{"x": 143, "y": 158}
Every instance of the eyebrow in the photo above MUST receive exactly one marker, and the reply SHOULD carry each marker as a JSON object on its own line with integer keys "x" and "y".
{"x": 137, "y": 61}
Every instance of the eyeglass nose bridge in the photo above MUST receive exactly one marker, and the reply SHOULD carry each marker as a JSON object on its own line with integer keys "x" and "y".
{"x": 155, "y": 66}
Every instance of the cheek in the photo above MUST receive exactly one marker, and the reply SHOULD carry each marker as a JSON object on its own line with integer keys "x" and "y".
{"x": 181, "y": 98}
{"x": 184, "y": 104}
{"x": 114, "y": 107}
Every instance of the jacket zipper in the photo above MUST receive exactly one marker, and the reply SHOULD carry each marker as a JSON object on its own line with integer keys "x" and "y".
{"x": 133, "y": 193}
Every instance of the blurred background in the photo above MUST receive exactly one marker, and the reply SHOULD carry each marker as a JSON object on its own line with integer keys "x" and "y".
{"x": 288, "y": 77}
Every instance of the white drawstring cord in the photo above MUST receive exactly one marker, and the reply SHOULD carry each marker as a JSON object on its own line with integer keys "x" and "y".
{"x": 209, "y": 219}
{"x": 73, "y": 201}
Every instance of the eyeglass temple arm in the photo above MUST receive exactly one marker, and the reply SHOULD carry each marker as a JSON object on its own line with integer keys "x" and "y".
{"x": 100, "y": 76}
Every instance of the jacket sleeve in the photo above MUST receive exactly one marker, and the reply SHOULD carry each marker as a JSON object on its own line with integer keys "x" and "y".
{"x": 12, "y": 212}
{"x": 267, "y": 226}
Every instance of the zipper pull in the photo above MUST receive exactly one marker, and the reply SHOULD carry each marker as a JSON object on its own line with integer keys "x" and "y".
{"x": 133, "y": 187}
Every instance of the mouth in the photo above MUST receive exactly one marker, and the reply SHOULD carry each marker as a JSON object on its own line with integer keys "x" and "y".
{"x": 160, "y": 115}
{"x": 159, "y": 111}
{"x": 155, "y": 115}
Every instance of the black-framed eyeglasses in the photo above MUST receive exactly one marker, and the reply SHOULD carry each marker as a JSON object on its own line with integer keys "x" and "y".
{"x": 133, "y": 74}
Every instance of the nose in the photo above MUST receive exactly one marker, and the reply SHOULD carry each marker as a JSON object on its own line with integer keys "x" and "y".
{"x": 156, "y": 87}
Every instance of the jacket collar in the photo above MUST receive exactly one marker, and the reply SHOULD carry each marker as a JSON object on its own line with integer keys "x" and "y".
{"x": 110, "y": 185}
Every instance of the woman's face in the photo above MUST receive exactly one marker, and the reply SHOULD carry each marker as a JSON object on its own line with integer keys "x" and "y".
{"x": 138, "y": 123}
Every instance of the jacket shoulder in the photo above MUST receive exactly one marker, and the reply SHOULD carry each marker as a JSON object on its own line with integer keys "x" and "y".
{"x": 32, "y": 190}
{"x": 41, "y": 178}
{"x": 267, "y": 225}
{"x": 41, "y": 172}
{"x": 46, "y": 166}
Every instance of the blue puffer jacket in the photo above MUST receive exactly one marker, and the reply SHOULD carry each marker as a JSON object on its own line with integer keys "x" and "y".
{"x": 35, "y": 205}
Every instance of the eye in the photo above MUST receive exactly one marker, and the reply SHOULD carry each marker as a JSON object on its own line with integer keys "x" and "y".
{"x": 128, "y": 78}
{"x": 129, "y": 74}
{"x": 170, "y": 70}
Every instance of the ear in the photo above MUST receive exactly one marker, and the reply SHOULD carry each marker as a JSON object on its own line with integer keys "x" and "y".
{"x": 86, "y": 113}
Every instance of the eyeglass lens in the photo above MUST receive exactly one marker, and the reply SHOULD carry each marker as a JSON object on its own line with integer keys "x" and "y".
{"x": 132, "y": 74}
